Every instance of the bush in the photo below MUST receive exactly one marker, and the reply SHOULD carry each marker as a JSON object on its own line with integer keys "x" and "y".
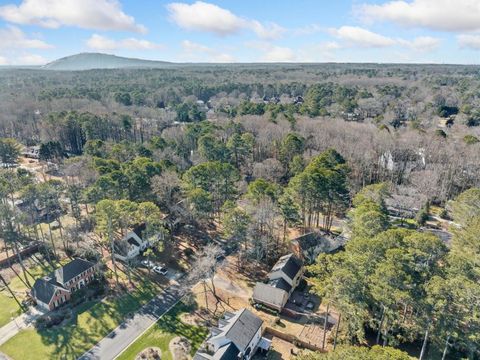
{"x": 51, "y": 319}
{"x": 422, "y": 215}
{"x": 470, "y": 139}
{"x": 188, "y": 252}
{"x": 444, "y": 214}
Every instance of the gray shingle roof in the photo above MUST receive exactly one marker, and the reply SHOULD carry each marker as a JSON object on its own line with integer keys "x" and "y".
{"x": 280, "y": 283}
{"x": 43, "y": 290}
{"x": 72, "y": 269}
{"x": 269, "y": 295}
{"x": 244, "y": 329}
{"x": 289, "y": 265}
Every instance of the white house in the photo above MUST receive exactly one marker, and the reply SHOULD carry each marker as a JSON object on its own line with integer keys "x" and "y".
{"x": 132, "y": 244}
{"x": 284, "y": 277}
{"x": 237, "y": 336}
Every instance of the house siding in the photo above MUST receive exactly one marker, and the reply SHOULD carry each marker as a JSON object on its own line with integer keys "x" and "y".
{"x": 253, "y": 344}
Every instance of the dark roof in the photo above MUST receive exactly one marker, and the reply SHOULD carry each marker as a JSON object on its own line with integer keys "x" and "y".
{"x": 289, "y": 265}
{"x": 269, "y": 295}
{"x": 244, "y": 329}
{"x": 72, "y": 269}
{"x": 139, "y": 229}
{"x": 309, "y": 240}
{"x": 44, "y": 289}
{"x": 280, "y": 283}
{"x": 325, "y": 242}
{"x": 227, "y": 352}
{"x": 131, "y": 240}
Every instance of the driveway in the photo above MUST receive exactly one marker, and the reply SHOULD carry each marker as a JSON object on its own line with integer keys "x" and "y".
{"x": 127, "y": 332}
{"x": 21, "y": 322}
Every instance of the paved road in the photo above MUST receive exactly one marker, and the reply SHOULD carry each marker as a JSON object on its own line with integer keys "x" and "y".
{"x": 126, "y": 333}
{"x": 21, "y": 322}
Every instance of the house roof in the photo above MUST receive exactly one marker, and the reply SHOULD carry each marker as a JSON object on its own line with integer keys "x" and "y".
{"x": 280, "y": 283}
{"x": 238, "y": 329}
{"x": 244, "y": 329}
{"x": 139, "y": 229}
{"x": 226, "y": 352}
{"x": 269, "y": 295}
{"x": 43, "y": 289}
{"x": 132, "y": 241}
{"x": 325, "y": 242}
{"x": 289, "y": 265}
{"x": 72, "y": 269}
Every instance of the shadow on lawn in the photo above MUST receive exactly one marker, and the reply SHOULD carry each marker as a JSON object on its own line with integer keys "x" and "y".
{"x": 171, "y": 323}
{"x": 91, "y": 321}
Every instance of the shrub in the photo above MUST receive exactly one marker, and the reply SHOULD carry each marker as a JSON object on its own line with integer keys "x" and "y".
{"x": 470, "y": 139}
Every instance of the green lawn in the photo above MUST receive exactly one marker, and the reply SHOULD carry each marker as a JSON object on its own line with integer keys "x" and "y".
{"x": 8, "y": 306}
{"x": 91, "y": 322}
{"x": 164, "y": 330}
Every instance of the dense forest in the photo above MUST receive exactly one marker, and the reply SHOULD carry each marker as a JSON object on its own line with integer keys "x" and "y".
{"x": 254, "y": 153}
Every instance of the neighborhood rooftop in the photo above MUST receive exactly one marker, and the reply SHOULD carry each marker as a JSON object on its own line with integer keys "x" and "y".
{"x": 288, "y": 264}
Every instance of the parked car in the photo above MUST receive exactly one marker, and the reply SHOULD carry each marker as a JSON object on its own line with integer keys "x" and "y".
{"x": 160, "y": 270}
{"x": 148, "y": 264}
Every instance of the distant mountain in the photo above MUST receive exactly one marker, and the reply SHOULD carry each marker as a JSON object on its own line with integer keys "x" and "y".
{"x": 87, "y": 61}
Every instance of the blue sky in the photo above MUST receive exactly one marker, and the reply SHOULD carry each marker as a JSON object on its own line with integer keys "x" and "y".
{"x": 420, "y": 31}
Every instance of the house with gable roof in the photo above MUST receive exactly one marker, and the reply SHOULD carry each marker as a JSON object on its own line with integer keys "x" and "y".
{"x": 55, "y": 289}
{"x": 132, "y": 244}
{"x": 237, "y": 336}
{"x": 284, "y": 277}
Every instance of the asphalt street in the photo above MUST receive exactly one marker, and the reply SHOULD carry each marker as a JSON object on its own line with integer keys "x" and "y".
{"x": 126, "y": 333}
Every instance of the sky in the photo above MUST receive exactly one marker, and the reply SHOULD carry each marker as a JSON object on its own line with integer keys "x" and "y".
{"x": 34, "y": 32}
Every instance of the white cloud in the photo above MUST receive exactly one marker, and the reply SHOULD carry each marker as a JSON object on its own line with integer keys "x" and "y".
{"x": 198, "y": 52}
{"x": 202, "y": 16}
{"x": 31, "y": 59}
{"x": 278, "y": 54}
{"x": 99, "y": 42}
{"x": 444, "y": 15}
{"x": 421, "y": 43}
{"x": 357, "y": 36}
{"x": 270, "y": 31}
{"x": 469, "y": 41}
{"x": 353, "y": 36}
{"x": 3, "y": 60}
{"x": 207, "y": 17}
{"x": 88, "y": 14}
{"x": 14, "y": 38}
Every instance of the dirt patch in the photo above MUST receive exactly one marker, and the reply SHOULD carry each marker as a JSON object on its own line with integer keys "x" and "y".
{"x": 180, "y": 348}
{"x": 282, "y": 349}
{"x": 150, "y": 353}
{"x": 197, "y": 318}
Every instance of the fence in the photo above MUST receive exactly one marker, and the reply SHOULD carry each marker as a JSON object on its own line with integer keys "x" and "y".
{"x": 292, "y": 339}
{"x": 13, "y": 258}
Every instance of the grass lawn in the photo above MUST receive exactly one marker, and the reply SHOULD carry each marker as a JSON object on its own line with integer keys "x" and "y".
{"x": 8, "y": 306}
{"x": 91, "y": 322}
{"x": 164, "y": 330}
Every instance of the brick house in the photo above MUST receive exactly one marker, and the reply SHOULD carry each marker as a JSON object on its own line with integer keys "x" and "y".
{"x": 55, "y": 289}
